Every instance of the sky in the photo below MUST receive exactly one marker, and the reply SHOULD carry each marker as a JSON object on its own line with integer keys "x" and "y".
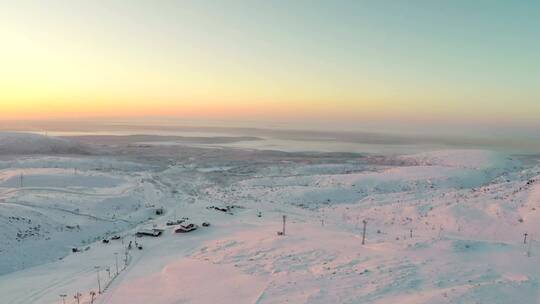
{"x": 356, "y": 63}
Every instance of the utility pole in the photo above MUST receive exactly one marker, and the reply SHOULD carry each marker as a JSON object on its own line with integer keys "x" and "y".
{"x": 364, "y": 232}
{"x": 525, "y": 238}
{"x": 98, "y": 281}
{"x": 284, "y": 220}
{"x": 63, "y": 296}
{"x": 116, "y": 258}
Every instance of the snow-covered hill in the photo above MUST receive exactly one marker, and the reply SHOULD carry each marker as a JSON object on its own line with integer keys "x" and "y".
{"x": 29, "y": 143}
{"x": 467, "y": 159}
{"x": 441, "y": 227}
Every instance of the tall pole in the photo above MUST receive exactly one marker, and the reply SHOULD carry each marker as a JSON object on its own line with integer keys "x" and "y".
{"x": 116, "y": 257}
{"x": 364, "y": 232}
{"x": 98, "y": 281}
{"x": 284, "y": 220}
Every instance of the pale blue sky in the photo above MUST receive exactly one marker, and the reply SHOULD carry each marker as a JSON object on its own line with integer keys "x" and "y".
{"x": 471, "y": 62}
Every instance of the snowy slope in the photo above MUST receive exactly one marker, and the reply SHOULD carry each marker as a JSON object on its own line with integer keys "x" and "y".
{"x": 467, "y": 159}
{"x": 441, "y": 227}
{"x": 28, "y": 143}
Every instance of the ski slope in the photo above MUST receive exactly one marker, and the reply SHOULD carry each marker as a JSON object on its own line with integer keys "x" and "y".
{"x": 441, "y": 227}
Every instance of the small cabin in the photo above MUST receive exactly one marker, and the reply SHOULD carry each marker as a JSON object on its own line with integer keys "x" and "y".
{"x": 186, "y": 228}
{"x": 149, "y": 232}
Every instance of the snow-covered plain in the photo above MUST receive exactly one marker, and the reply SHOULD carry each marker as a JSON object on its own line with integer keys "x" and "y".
{"x": 443, "y": 226}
